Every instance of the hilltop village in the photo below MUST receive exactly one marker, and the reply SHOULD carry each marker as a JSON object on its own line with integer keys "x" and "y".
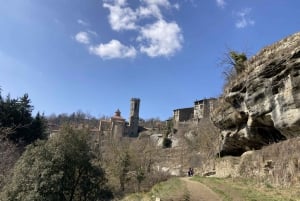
{"x": 118, "y": 127}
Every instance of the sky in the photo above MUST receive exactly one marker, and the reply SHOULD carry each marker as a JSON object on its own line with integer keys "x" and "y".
{"x": 95, "y": 55}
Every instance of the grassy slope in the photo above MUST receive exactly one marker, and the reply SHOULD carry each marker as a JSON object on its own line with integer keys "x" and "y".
{"x": 231, "y": 189}
{"x": 169, "y": 190}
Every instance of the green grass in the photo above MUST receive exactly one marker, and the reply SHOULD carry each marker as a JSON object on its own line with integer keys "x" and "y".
{"x": 228, "y": 189}
{"x": 171, "y": 188}
{"x": 244, "y": 189}
{"x": 168, "y": 188}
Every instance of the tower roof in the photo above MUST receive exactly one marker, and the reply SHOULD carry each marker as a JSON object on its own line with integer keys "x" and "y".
{"x": 117, "y": 113}
{"x": 117, "y": 116}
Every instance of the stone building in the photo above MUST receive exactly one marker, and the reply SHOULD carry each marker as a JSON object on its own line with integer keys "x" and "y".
{"x": 183, "y": 114}
{"x": 117, "y": 126}
{"x": 114, "y": 127}
{"x": 202, "y": 109}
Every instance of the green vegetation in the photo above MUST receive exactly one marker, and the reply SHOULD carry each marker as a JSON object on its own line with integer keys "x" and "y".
{"x": 229, "y": 189}
{"x": 17, "y": 123}
{"x": 64, "y": 167}
{"x": 238, "y": 61}
{"x": 18, "y": 128}
{"x": 234, "y": 63}
{"x": 60, "y": 168}
{"x": 167, "y": 190}
{"x": 244, "y": 189}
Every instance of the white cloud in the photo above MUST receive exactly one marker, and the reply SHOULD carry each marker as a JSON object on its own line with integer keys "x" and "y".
{"x": 121, "y": 17}
{"x": 82, "y": 22}
{"x": 160, "y": 39}
{"x": 112, "y": 50}
{"x": 152, "y": 8}
{"x": 149, "y": 11}
{"x": 156, "y": 38}
{"x": 82, "y": 37}
{"x": 164, "y": 3}
{"x": 221, "y": 3}
{"x": 243, "y": 18}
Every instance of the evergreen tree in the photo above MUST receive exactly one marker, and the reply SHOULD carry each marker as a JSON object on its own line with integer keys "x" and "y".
{"x": 16, "y": 114}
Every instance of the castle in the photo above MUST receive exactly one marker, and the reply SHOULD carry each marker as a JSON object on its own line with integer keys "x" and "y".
{"x": 117, "y": 126}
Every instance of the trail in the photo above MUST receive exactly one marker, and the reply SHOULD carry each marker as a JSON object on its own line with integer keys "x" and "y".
{"x": 199, "y": 192}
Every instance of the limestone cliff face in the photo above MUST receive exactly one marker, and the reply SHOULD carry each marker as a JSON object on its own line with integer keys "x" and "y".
{"x": 262, "y": 104}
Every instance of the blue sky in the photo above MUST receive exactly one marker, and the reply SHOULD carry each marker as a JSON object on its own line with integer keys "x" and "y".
{"x": 95, "y": 55}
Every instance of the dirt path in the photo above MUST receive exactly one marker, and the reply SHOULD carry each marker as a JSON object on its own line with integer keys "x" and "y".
{"x": 199, "y": 192}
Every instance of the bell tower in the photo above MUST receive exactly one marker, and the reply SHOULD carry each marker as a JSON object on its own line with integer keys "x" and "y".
{"x": 134, "y": 117}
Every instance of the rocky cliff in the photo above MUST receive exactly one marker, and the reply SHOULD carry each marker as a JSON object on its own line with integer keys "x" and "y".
{"x": 261, "y": 105}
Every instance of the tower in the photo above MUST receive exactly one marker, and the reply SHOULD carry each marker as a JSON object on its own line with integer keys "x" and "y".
{"x": 134, "y": 117}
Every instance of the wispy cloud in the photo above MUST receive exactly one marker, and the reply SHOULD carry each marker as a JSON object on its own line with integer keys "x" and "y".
{"x": 94, "y": 33}
{"x": 82, "y": 22}
{"x": 112, "y": 50}
{"x": 244, "y": 19}
{"x": 221, "y": 3}
{"x": 82, "y": 37}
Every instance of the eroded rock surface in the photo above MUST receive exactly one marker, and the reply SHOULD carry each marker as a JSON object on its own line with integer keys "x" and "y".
{"x": 262, "y": 104}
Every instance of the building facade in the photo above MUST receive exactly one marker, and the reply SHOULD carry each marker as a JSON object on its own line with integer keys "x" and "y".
{"x": 183, "y": 114}
{"x": 203, "y": 108}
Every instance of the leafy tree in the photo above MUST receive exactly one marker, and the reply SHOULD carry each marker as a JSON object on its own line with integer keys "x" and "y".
{"x": 59, "y": 169}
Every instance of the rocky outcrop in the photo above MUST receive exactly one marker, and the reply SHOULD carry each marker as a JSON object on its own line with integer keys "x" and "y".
{"x": 261, "y": 105}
